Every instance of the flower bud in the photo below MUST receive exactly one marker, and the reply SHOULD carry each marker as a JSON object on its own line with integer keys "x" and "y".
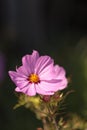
{"x": 46, "y": 98}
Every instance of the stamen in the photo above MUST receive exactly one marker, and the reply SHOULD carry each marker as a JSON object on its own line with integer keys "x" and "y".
{"x": 33, "y": 78}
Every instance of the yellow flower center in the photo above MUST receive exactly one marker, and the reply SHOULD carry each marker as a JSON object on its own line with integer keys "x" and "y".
{"x": 33, "y": 78}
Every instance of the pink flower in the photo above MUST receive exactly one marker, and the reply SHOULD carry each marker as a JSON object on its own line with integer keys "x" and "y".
{"x": 38, "y": 74}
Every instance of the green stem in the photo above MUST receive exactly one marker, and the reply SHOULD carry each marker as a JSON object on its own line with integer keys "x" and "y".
{"x": 45, "y": 125}
{"x": 55, "y": 124}
{"x": 49, "y": 125}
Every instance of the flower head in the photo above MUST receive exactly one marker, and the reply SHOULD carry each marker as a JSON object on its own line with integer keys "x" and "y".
{"x": 38, "y": 74}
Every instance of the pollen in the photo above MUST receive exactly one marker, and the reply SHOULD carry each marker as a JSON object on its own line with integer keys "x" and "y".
{"x": 33, "y": 78}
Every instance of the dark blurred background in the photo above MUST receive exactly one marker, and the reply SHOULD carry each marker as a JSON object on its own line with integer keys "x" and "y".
{"x": 54, "y": 27}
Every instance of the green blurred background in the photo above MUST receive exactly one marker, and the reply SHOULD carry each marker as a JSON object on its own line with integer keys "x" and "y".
{"x": 57, "y": 28}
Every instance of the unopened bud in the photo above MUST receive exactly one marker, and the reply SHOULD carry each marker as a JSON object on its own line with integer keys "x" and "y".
{"x": 46, "y": 98}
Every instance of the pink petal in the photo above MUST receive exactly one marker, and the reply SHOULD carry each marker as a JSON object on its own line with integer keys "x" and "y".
{"x": 22, "y": 70}
{"x": 14, "y": 75}
{"x": 60, "y": 72}
{"x": 23, "y": 90}
{"x": 18, "y": 79}
{"x": 47, "y": 73}
{"x": 28, "y": 90}
{"x": 31, "y": 91}
{"x": 29, "y": 61}
{"x": 42, "y": 63}
{"x": 21, "y": 84}
{"x": 53, "y": 85}
{"x": 63, "y": 84}
{"x": 35, "y": 56}
{"x": 41, "y": 91}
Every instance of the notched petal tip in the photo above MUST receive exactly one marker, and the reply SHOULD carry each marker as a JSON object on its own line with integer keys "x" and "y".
{"x": 36, "y": 52}
{"x": 11, "y": 73}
